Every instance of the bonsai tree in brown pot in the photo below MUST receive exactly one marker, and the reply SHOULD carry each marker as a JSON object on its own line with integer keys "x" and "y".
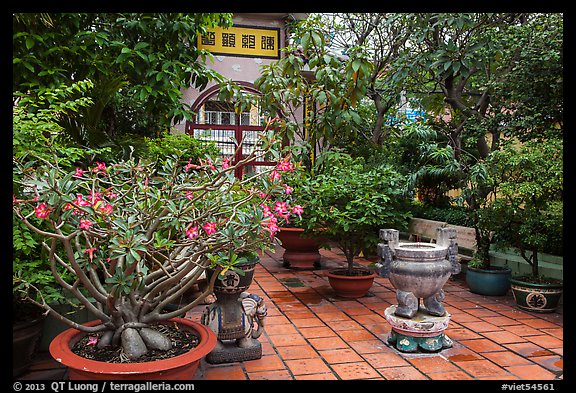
{"x": 134, "y": 236}
{"x": 351, "y": 201}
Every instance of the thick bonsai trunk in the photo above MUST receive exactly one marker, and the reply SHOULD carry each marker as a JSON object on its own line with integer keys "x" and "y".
{"x": 128, "y": 331}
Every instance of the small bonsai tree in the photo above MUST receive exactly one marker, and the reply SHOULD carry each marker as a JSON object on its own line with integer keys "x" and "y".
{"x": 128, "y": 238}
{"x": 526, "y": 211}
{"x": 350, "y": 201}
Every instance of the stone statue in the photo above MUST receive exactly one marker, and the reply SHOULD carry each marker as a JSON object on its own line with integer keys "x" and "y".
{"x": 237, "y": 327}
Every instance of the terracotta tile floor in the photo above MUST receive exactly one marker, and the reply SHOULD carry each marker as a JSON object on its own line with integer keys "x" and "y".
{"x": 312, "y": 334}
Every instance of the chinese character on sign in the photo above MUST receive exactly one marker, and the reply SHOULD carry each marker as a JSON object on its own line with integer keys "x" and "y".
{"x": 209, "y": 38}
{"x": 228, "y": 39}
{"x": 248, "y": 41}
{"x": 267, "y": 42}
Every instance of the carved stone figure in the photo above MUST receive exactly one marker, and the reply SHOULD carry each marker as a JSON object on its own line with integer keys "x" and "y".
{"x": 237, "y": 317}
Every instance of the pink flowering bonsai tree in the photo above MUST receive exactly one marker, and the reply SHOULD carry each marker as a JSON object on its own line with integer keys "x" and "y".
{"x": 135, "y": 236}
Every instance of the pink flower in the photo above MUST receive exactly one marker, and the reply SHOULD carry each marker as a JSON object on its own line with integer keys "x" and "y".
{"x": 209, "y": 228}
{"x": 192, "y": 232}
{"x": 285, "y": 166}
{"x": 111, "y": 194}
{"x": 42, "y": 210}
{"x": 189, "y": 195}
{"x": 226, "y": 163}
{"x": 79, "y": 172}
{"x": 90, "y": 252}
{"x": 92, "y": 340}
{"x": 275, "y": 175}
{"x": 298, "y": 210}
{"x": 191, "y": 166}
{"x": 80, "y": 202}
{"x": 287, "y": 189}
{"x": 95, "y": 198}
{"x": 281, "y": 208}
{"x": 85, "y": 224}
{"x": 106, "y": 209}
{"x": 271, "y": 224}
{"x": 100, "y": 167}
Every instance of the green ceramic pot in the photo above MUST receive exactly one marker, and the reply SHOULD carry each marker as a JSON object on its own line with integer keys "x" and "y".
{"x": 492, "y": 281}
{"x": 536, "y": 297}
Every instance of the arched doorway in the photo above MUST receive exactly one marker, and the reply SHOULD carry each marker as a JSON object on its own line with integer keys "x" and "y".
{"x": 217, "y": 121}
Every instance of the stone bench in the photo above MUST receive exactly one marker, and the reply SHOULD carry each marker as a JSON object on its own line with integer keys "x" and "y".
{"x": 424, "y": 230}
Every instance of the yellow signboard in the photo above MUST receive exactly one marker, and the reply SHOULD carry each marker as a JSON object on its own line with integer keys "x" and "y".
{"x": 242, "y": 41}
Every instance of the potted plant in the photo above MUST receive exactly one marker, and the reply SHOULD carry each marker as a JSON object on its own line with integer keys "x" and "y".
{"x": 134, "y": 236}
{"x": 351, "y": 201}
{"x": 527, "y": 214}
{"x": 300, "y": 238}
{"x": 484, "y": 278}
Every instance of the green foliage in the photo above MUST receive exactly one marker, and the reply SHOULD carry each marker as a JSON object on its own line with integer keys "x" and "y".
{"x": 138, "y": 63}
{"x": 309, "y": 74}
{"x": 455, "y": 215}
{"x": 183, "y": 146}
{"x": 350, "y": 201}
{"x": 527, "y": 210}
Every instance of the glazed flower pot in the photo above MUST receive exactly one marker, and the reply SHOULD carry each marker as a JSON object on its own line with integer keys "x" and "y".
{"x": 492, "y": 281}
{"x": 536, "y": 297}
{"x": 300, "y": 252}
{"x": 351, "y": 286}
{"x": 181, "y": 367}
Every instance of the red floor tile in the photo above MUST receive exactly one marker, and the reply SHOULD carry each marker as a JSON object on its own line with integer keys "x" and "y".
{"x": 528, "y": 349}
{"x": 355, "y": 335}
{"x": 324, "y": 376}
{"x": 553, "y": 363}
{"x": 482, "y": 345}
{"x": 297, "y": 352}
{"x": 402, "y": 373}
{"x": 265, "y": 363}
{"x": 270, "y": 375}
{"x": 531, "y": 372}
{"x": 225, "y": 373}
{"x": 503, "y": 337}
{"x": 369, "y": 346}
{"x": 307, "y": 366}
{"x": 327, "y": 343}
{"x": 450, "y": 376}
{"x": 482, "y": 368}
{"x": 460, "y": 353}
{"x": 284, "y": 328}
{"x": 280, "y": 340}
{"x": 545, "y": 341}
{"x": 523, "y": 330}
{"x": 343, "y": 355}
{"x": 317, "y": 331}
{"x": 506, "y": 358}
{"x": 385, "y": 359}
{"x": 356, "y": 370}
{"x": 313, "y": 321}
{"x": 432, "y": 364}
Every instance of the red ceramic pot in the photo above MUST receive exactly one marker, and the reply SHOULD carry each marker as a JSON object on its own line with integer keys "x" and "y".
{"x": 350, "y": 286}
{"x": 181, "y": 367}
{"x": 300, "y": 252}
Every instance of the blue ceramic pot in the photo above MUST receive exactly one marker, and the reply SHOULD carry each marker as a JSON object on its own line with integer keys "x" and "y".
{"x": 492, "y": 281}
